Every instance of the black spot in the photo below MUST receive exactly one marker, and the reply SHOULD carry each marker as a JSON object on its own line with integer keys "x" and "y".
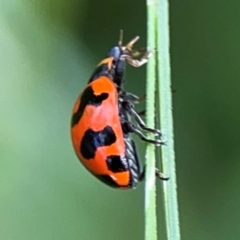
{"x": 87, "y": 98}
{"x": 101, "y": 70}
{"x": 92, "y": 140}
{"x": 117, "y": 164}
{"x": 108, "y": 180}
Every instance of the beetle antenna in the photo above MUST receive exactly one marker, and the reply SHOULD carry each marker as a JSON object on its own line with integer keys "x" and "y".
{"x": 131, "y": 43}
{"x": 120, "y": 38}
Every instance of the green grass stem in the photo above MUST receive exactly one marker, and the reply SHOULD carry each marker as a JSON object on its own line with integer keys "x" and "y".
{"x": 166, "y": 119}
{"x": 158, "y": 29}
{"x": 150, "y": 187}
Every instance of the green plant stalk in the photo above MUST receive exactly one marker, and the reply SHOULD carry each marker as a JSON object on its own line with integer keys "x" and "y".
{"x": 166, "y": 119}
{"x": 150, "y": 187}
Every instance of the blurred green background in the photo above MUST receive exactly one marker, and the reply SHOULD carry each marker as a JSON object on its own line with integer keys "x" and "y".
{"x": 48, "y": 49}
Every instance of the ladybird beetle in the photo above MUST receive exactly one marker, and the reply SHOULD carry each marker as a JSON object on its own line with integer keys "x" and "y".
{"x": 101, "y": 124}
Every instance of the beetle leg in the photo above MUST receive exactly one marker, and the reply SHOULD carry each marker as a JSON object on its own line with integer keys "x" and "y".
{"x": 158, "y": 174}
{"x": 129, "y": 108}
{"x": 136, "y": 53}
{"x": 126, "y": 96}
{"x": 142, "y": 61}
{"x": 142, "y": 98}
{"x": 142, "y": 113}
{"x": 129, "y": 127}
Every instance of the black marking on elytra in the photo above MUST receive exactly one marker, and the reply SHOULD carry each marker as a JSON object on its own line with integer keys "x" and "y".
{"x": 117, "y": 163}
{"x": 87, "y": 98}
{"x": 100, "y": 71}
{"x": 108, "y": 180}
{"x": 93, "y": 140}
